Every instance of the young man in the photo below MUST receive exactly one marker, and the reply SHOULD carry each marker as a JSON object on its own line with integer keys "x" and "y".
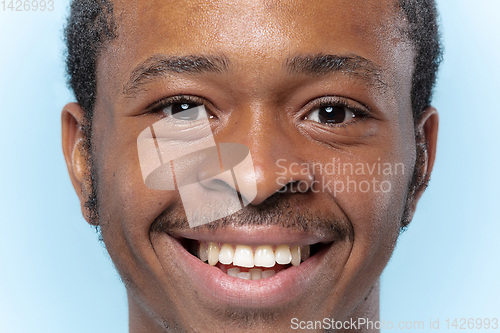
{"x": 331, "y": 99}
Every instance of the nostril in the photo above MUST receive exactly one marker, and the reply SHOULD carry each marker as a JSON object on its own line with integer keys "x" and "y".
{"x": 300, "y": 186}
{"x": 297, "y": 186}
{"x": 216, "y": 185}
{"x": 222, "y": 182}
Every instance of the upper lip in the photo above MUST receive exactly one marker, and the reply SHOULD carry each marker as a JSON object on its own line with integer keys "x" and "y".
{"x": 254, "y": 236}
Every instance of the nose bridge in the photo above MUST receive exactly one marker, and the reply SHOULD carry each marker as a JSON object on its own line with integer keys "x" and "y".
{"x": 275, "y": 154}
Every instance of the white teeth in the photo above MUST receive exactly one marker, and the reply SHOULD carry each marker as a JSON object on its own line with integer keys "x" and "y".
{"x": 283, "y": 255}
{"x": 296, "y": 255}
{"x": 252, "y": 274}
{"x": 256, "y": 273}
{"x": 305, "y": 252}
{"x": 245, "y": 275}
{"x": 226, "y": 254}
{"x": 213, "y": 253}
{"x": 268, "y": 273}
{"x": 243, "y": 256}
{"x": 202, "y": 252}
{"x": 264, "y": 256}
{"x": 233, "y": 271}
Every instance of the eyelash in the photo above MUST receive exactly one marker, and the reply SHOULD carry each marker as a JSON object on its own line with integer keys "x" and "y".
{"x": 158, "y": 106}
{"x": 359, "y": 114}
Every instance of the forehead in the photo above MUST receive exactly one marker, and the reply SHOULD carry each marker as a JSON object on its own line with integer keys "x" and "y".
{"x": 250, "y": 24}
{"x": 255, "y": 35}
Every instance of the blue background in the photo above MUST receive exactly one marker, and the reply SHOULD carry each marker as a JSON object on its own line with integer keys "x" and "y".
{"x": 56, "y": 277}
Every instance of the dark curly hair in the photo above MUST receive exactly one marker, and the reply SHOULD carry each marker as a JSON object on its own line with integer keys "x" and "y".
{"x": 91, "y": 25}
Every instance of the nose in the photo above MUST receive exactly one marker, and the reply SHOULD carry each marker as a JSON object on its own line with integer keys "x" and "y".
{"x": 229, "y": 167}
{"x": 279, "y": 171}
{"x": 262, "y": 160}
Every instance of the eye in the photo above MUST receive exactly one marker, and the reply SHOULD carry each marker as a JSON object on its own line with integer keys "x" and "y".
{"x": 185, "y": 111}
{"x": 331, "y": 114}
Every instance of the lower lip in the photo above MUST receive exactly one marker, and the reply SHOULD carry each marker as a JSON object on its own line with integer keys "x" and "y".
{"x": 282, "y": 288}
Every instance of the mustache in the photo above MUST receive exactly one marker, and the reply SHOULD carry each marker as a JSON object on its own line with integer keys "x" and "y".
{"x": 281, "y": 209}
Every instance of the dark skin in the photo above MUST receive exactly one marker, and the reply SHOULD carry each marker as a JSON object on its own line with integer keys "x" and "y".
{"x": 257, "y": 101}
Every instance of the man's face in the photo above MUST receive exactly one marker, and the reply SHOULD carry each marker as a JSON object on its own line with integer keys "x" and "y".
{"x": 320, "y": 94}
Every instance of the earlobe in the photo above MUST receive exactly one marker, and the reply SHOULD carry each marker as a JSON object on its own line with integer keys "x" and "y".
{"x": 74, "y": 150}
{"x": 426, "y": 140}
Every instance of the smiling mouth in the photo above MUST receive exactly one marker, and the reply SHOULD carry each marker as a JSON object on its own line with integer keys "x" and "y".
{"x": 250, "y": 266}
{"x": 251, "y": 262}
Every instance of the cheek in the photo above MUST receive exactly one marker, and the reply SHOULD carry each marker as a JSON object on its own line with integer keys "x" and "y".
{"x": 371, "y": 192}
{"x": 126, "y": 206}
{"x": 373, "y": 195}
{"x": 127, "y": 209}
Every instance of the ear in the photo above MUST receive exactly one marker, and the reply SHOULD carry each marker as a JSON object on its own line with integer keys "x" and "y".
{"x": 426, "y": 141}
{"x": 75, "y": 153}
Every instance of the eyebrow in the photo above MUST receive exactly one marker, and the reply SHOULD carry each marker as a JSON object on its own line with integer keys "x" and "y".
{"x": 159, "y": 65}
{"x": 350, "y": 65}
